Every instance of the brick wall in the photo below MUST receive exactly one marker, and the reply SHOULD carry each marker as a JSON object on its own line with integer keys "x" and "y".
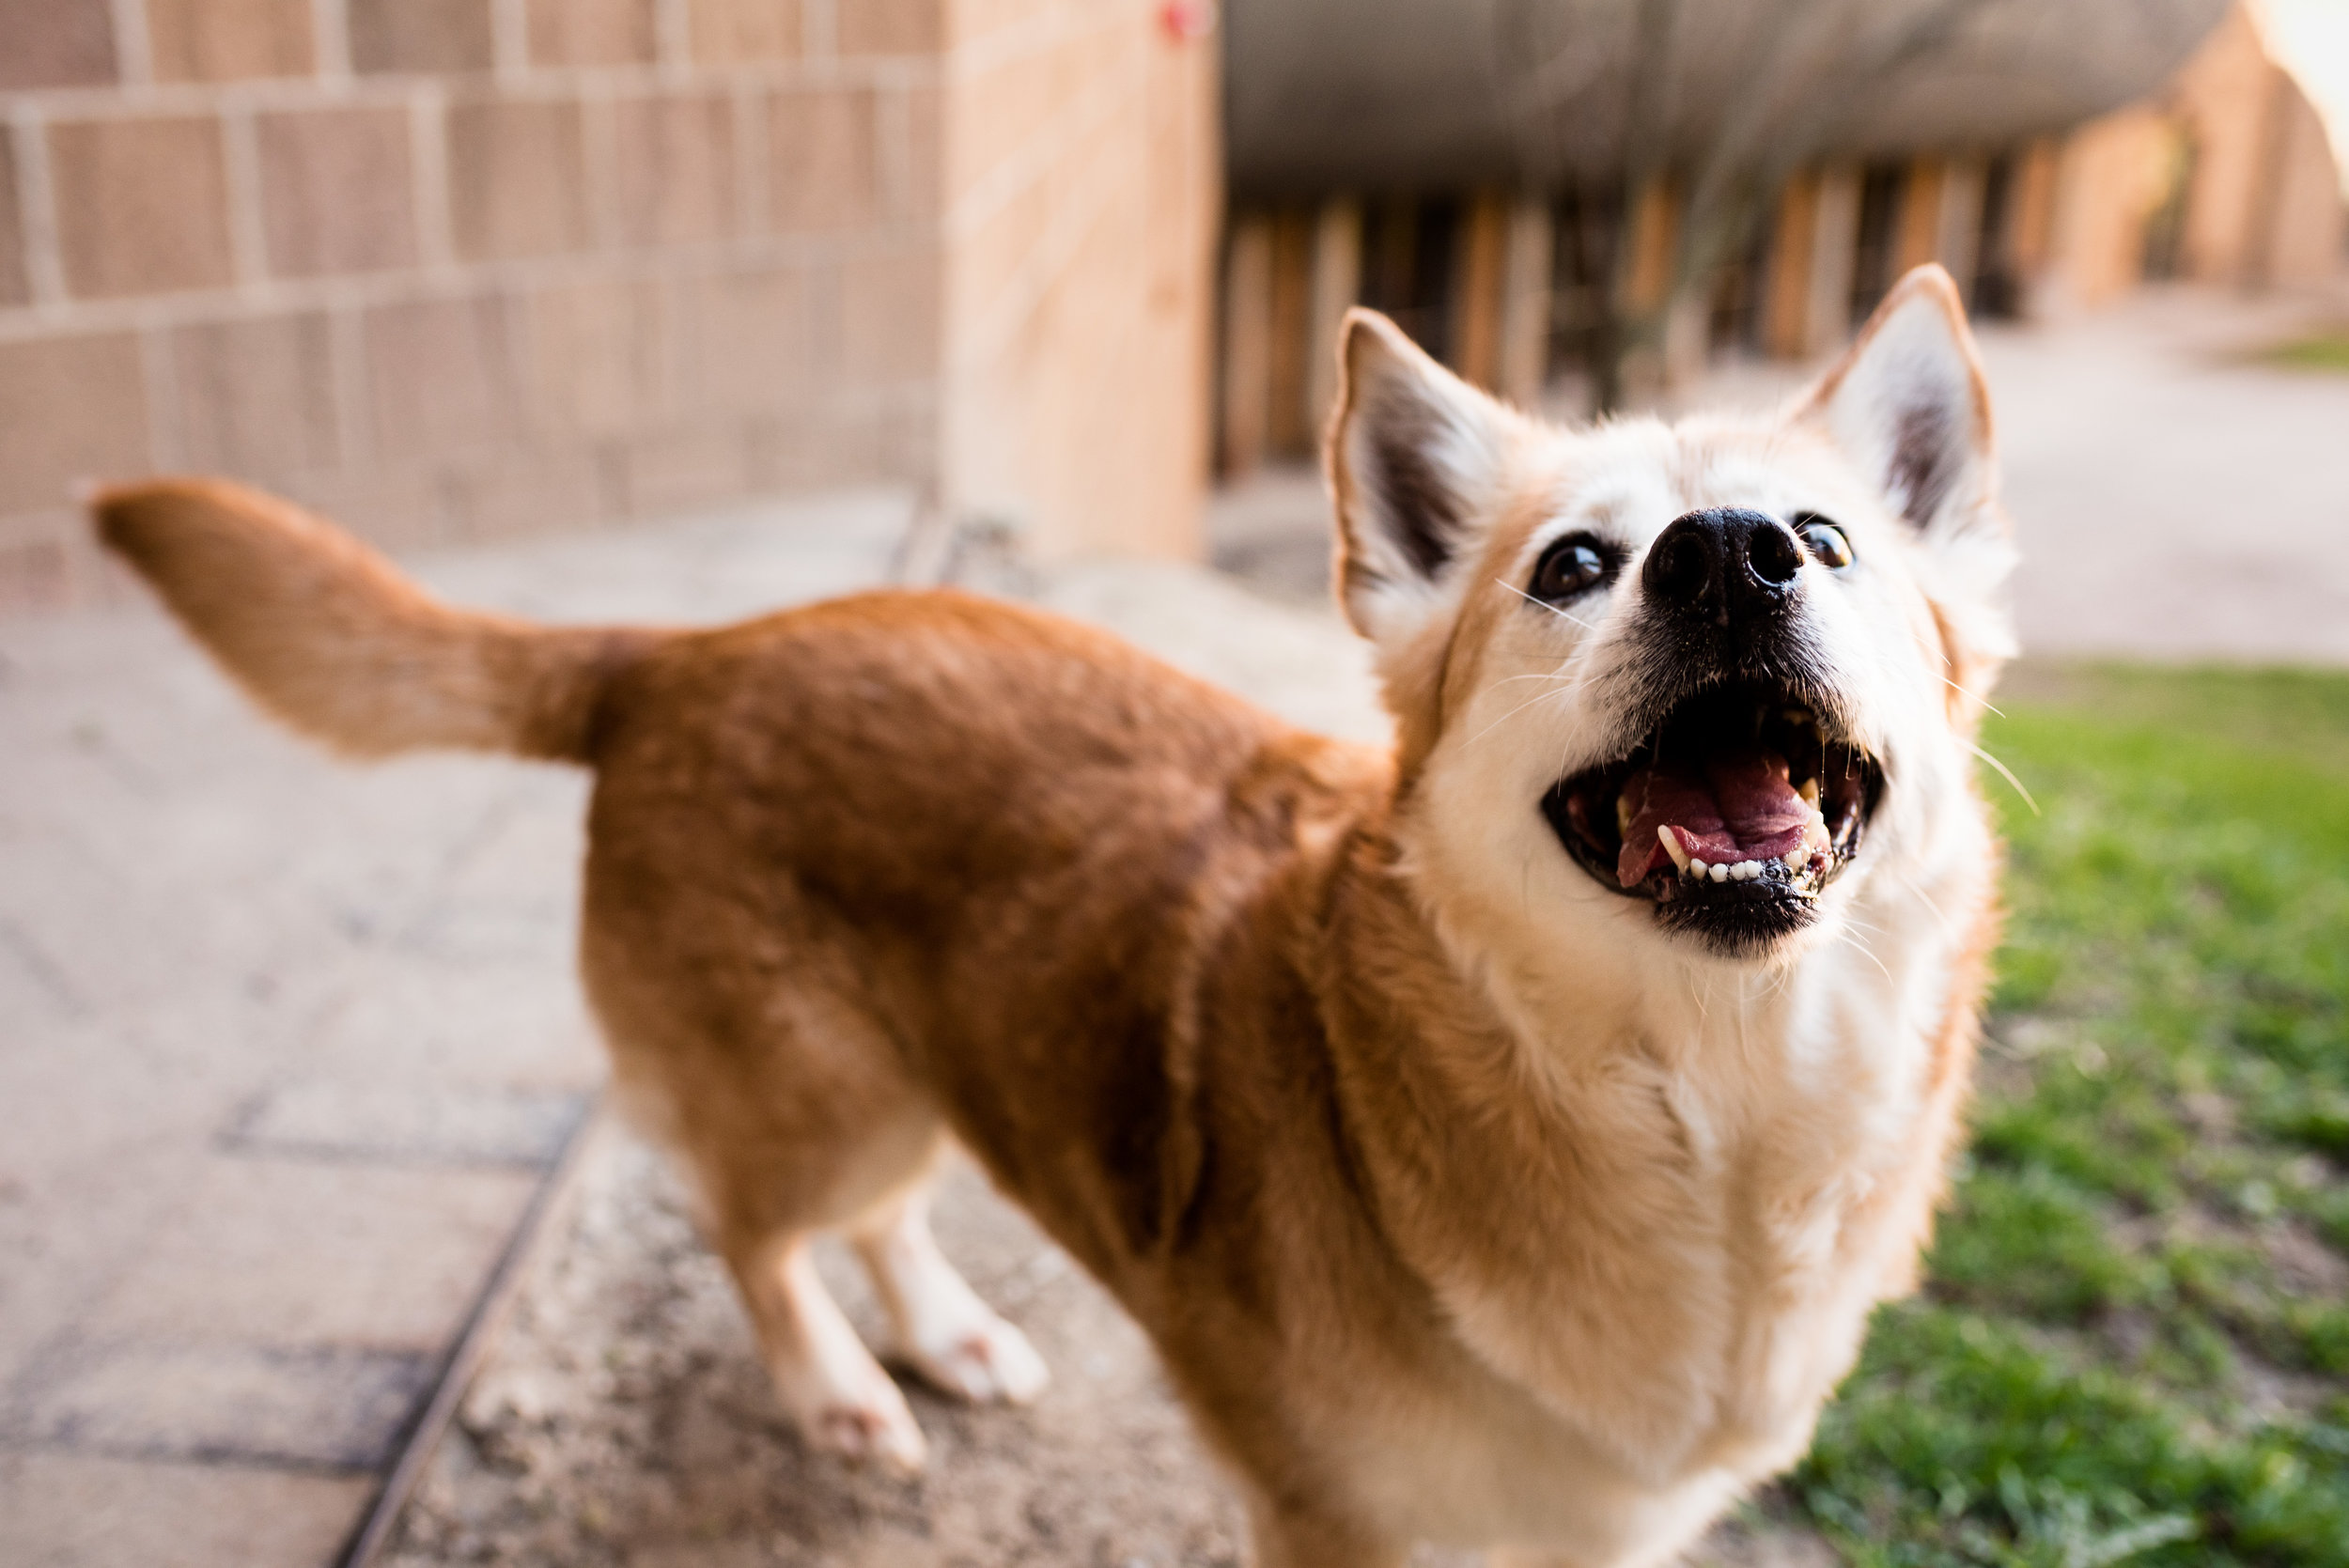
{"x": 446, "y": 268}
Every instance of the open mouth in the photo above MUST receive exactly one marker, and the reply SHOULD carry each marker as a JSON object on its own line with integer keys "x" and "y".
{"x": 1732, "y": 815}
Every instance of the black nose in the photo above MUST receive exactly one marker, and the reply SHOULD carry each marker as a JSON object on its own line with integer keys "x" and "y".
{"x": 1725, "y": 565}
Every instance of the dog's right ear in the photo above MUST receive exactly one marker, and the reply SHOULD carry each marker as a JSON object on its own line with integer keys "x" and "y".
{"x": 1416, "y": 459}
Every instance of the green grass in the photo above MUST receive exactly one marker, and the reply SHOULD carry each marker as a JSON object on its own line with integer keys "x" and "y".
{"x": 2324, "y": 351}
{"x": 2135, "y": 1343}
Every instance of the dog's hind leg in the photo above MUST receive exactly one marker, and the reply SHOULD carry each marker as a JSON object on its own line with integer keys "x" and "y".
{"x": 945, "y": 1331}
{"x": 792, "y": 1116}
{"x": 835, "y": 1392}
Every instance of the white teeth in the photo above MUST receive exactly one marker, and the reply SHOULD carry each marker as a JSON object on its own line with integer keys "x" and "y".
{"x": 1672, "y": 847}
{"x": 1721, "y": 874}
{"x": 1798, "y": 857}
{"x": 1698, "y": 868}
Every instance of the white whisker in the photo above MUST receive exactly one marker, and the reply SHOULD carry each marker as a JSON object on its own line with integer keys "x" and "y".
{"x": 1538, "y": 697}
{"x": 1539, "y": 605}
{"x": 2008, "y": 774}
{"x": 1862, "y": 949}
{"x": 1963, "y": 692}
{"x": 1926, "y": 899}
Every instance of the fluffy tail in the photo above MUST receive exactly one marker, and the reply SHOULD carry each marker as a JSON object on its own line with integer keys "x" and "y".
{"x": 328, "y": 635}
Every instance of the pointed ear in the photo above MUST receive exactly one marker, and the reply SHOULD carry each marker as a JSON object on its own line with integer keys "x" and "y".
{"x": 1908, "y": 404}
{"x": 1416, "y": 457}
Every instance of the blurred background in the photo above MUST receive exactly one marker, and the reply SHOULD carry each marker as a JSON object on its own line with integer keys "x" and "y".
{"x": 314, "y": 1245}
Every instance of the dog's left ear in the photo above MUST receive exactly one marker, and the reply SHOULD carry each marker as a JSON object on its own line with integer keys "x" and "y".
{"x": 1908, "y": 404}
{"x": 1416, "y": 459}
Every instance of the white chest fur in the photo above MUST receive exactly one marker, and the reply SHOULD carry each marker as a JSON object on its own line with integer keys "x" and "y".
{"x": 1766, "y": 1139}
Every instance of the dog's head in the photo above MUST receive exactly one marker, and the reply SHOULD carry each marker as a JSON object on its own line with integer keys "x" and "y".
{"x": 1694, "y": 685}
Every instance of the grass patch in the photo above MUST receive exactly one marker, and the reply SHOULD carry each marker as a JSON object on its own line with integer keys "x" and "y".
{"x": 2322, "y": 351}
{"x": 2135, "y": 1345}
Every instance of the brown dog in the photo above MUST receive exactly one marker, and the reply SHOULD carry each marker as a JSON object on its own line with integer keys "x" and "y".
{"x": 1504, "y": 1139}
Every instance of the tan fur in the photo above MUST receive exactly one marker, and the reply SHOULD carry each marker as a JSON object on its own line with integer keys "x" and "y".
{"x": 329, "y": 636}
{"x": 1460, "y": 1204}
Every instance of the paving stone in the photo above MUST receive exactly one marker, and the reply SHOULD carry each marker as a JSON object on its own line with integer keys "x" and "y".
{"x": 306, "y": 1252}
{"x": 63, "y": 1511}
{"x": 367, "y": 1122}
{"x": 327, "y": 1409}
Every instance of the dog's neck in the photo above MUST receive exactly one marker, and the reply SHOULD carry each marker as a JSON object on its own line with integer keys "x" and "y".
{"x": 1679, "y": 1161}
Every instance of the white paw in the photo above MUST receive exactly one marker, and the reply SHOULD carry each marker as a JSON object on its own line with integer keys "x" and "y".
{"x": 985, "y": 1361}
{"x": 868, "y": 1432}
{"x": 855, "y": 1413}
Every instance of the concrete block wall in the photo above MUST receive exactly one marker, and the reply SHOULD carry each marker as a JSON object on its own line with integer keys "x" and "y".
{"x": 449, "y": 268}
{"x": 1082, "y": 193}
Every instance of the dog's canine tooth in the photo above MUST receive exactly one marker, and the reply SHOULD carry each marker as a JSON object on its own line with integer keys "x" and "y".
{"x": 1622, "y": 816}
{"x": 1810, "y": 792}
{"x": 1672, "y": 847}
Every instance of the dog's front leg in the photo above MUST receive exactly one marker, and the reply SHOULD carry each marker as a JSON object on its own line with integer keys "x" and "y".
{"x": 1652, "y": 1554}
{"x": 1289, "y": 1536}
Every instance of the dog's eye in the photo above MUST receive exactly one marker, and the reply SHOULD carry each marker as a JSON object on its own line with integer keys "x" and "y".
{"x": 1571, "y": 567}
{"x": 1826, "y": 540}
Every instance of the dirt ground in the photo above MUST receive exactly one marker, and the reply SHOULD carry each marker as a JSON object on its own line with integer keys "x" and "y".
{"x": 625, "y": 1418}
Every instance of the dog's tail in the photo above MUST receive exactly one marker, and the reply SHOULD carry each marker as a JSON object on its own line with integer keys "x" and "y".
{"x": 331, "y": 637}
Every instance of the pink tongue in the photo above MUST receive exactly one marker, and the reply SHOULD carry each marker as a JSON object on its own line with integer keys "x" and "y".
{"x": 1736, "y": 805}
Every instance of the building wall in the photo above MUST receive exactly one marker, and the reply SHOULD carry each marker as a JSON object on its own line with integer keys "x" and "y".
{"x": 453, "y": 268}
{"x": 1083, "y": 188}
{"x": 2111, "y": 175}
{"x": 2220, "y": 93}
{"x": 2261, "y": 195}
